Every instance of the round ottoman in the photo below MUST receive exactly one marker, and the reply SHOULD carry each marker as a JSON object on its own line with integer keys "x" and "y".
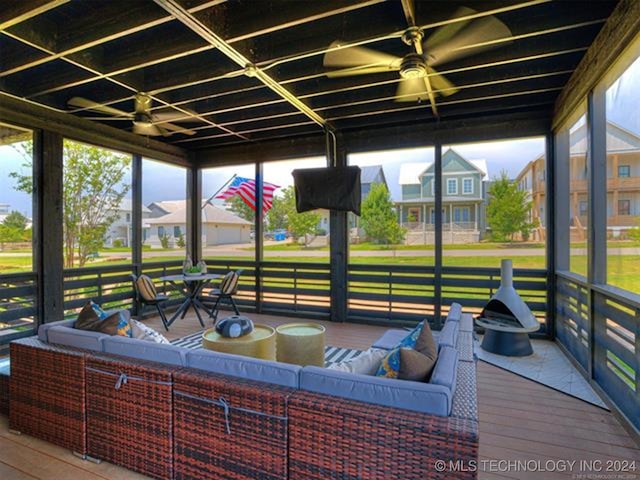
{"x": 300, "y": 344}
{"x": 260, "y": 343}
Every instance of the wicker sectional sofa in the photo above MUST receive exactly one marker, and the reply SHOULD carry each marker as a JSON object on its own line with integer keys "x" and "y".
{"x": 172, "y": 413}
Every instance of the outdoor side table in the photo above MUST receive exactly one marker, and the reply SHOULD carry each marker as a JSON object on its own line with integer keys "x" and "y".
{"x": 260, "y": 343}
{"x": 301, "y": 344}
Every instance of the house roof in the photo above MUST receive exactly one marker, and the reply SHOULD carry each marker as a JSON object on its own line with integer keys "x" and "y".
{"x": 210, "y": 215}
{"x": 126, "y": 205}
{"x": 410, "y": 173}
{"x": 619, "y": 139}
{"x": 369, "y": 173}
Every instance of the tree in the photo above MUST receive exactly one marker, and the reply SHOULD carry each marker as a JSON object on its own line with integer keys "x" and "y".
{"x": 285, "y": 216}
{"x": 508, "y": 209}
{"x": 378, "y": 216}
{"x": 16, "y": 220}
{"x": 241, "y": 209}
{"x": 93, "y": 191}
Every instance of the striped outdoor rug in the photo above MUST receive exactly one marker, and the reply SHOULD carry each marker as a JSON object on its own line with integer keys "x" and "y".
{"x": 331, "y": 354}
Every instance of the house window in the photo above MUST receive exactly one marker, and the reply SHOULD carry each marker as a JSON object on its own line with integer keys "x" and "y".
{"x": 467, "y": 186}
{"x": 452, "y": 186}
{"x": 583, "y": 208}
{"x": 128, "y": 217}
{"x": 624, "y": 207}
{"x": 176, "y": 232}
{"x": 160, "y": 231}
{"x": 624, "y": 171}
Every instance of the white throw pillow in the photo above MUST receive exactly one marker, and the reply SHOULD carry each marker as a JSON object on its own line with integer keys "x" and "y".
{"x": 366, "y": 363}
{"x": 142, "y": 332}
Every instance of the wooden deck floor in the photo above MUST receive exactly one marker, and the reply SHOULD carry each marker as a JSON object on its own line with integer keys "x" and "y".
{"x": 520, "y": 420}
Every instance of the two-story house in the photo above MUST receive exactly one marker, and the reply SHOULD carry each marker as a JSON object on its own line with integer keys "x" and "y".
{"x": 463, "y": 196}
{"x": 623, "y": 184}
{"x": 119, "y": 232}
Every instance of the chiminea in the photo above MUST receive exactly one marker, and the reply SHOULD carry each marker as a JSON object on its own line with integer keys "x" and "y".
{"x": 506, "y": 319}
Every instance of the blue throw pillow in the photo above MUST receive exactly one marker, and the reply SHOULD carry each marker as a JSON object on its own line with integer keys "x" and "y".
{"x": 124, "y": 327}
{"x": 410, "y": 340}
{"x": 390, "y": 365}
{"x": 99, "y": 311}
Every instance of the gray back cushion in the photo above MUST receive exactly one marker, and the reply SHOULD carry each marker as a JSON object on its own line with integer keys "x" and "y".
{"x": 73, "y": 337}
{"x": 445, "y": 372}
{"x": 43, "y": 330}
{"x": 145, "y": 350}
{"x": 448, "y": 335}
{"x": 455, "y": 312}
{"x": 390, "y": 339}
{"x": 245, "y": 367}
{"x": 416, "y": 396}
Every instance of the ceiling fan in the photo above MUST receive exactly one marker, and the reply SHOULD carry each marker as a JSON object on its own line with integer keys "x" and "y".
{"x": 419, "y": 79}
{"x": 144, "y": 122}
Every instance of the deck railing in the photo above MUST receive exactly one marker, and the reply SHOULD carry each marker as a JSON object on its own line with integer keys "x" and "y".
{"x": 18, "y": 307}
{"x": 600, "y": 329}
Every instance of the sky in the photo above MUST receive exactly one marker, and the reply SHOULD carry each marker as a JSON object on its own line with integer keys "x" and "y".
{"x": 167, "y": 182}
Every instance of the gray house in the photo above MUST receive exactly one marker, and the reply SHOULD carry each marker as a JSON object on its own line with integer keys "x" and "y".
{"x": 463, "y": 195}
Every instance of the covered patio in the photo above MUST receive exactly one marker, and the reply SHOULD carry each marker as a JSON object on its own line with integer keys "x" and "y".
{"x": 175, "y": 99}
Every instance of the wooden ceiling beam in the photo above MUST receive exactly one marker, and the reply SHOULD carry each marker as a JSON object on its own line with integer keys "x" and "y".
{"x": 21, "y": 11}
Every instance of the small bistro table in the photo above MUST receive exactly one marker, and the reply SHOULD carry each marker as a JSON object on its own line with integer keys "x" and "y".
{"x": 301, "y": 344}
{"x": 260, "y": 343}
{"x": 191, "y": 286}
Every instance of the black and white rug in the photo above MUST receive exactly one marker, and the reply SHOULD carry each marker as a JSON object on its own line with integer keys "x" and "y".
{"x": 331, "y": 354}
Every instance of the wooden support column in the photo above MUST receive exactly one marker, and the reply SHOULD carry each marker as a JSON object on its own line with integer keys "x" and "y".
{"x": 136, "y": 221}
{"x": 47, "y": 226}
{"x": 437, "y": 232}
{"x": 551, "y": 233}
{"x": 194, "y": 213}
{"x": 258, "y": 235}
{"x": 560, "y": 206}
{"x": 339, "y": 240}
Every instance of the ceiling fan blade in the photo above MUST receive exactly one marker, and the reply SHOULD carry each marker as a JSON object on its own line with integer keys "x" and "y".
{"x": 147, "y": 130}
{"x": 443, "y": 86}
{"x": 347, "y": 72}
{"x": 357, "y": 57}
{"x": 411, "y": 90}
{"x": 84, "y": 103}
{"x": 409, "y": 8}
{"x": 478, "y": 36}
{"x": 177, "y": 128}
{"x": 175, "y": 116}
{"x": 447, "y": 32}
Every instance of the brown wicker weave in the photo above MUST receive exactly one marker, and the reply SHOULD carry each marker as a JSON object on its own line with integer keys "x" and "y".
{"x": 47, "y": 393}
{"x": 249, "y": 442}
{"x": 129, "y": 420}
{"x": 4, "y": 394}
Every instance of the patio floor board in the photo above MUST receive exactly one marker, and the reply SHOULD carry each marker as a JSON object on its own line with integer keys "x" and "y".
{"x": 519, "y": 420}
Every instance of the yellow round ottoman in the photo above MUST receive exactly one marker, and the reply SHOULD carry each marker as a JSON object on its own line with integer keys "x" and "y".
{"x": 260, "y": 343}
{"x": 301, "y": 344}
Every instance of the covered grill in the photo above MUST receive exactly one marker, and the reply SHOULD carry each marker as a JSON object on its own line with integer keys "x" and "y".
{"x": 507, "y": 320}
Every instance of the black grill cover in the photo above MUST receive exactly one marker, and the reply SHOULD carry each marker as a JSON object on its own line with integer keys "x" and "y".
{"x": 333, "y": 188}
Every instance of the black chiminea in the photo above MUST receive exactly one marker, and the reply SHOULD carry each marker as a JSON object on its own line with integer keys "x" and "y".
{"x": 506, "y": 319}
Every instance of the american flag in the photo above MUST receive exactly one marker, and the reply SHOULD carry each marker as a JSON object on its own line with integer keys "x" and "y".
{"x": 246, "y": 189}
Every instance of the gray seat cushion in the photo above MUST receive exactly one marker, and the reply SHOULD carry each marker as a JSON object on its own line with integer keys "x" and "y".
{"x": 245, "y": 367}
{"x": 448, "y": 335}
{"x": 417, "y": 396}
{"x": 145, "y": 350}
{"x": 43, "y": 330}
{"x": 446, "y": 370}
{"x": 73, "y": 337}
{"x": 390, "y": 339}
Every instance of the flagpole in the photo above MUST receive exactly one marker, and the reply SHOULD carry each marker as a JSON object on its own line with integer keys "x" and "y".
{"x": 208, "y": 201}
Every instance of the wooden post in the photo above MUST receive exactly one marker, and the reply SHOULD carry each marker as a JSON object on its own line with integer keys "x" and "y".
{"x": 194, "y": 213}
{"x": 437, "y": 232}
{"x": 258, "y": 235}
{"x": 338, "y": 239}
{"x": 136, "y": 221}
{"x": 48, "y": 220}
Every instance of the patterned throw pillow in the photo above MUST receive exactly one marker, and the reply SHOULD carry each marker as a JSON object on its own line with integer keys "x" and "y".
{"x": 92, "y": 317}
{"x": 367, "y": 363}
{"x": 99, "y": 311}
{"x": 146, "y": 288}
{"x": 143, "y": 332}
{"x": 410, "y": 340}
{"x": 123, "y": 328}
{"x": 390, "y": 365}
